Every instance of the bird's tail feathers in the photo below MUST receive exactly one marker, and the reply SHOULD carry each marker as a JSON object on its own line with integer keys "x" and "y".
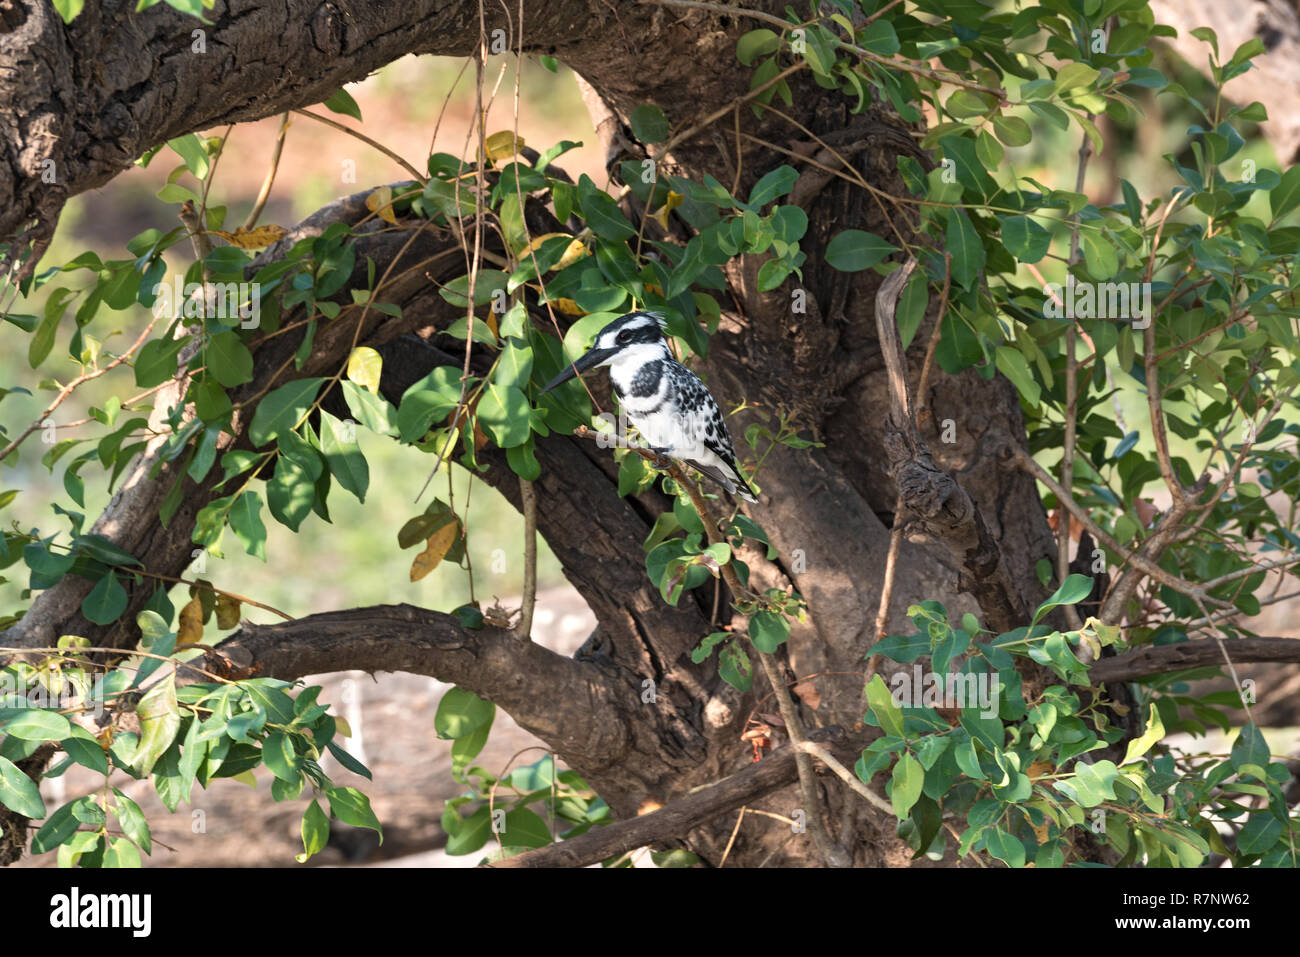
{"x": 733, "y": 483}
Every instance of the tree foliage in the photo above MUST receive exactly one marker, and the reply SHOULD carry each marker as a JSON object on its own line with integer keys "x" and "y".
{"x": 1188, "y": 298}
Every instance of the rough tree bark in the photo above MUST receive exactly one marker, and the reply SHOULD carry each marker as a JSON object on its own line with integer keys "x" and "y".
{"x": 93, "y": 96}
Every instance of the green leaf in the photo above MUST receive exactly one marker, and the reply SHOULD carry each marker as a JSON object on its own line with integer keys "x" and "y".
{"x": 523, "y": 461}
{"x": 880, "y": 37}
{"x": 1012, "y": 130}
{"x": 1073, "y": 590}
{"x": 1012, "y": 363}
{"x": 768, "y": 631}
{"x": 907, "y": 779}
{"x": 373, "y": 411}
{"x": 1074, "y": 75}
{"x": 1260, "y": 833}
{"x": 756, "y": 43}
{"x": 106, "y": 601}
{"x": 352, "y": 807}
{"x": 133, "y": 821}
{"x": 734, "y": 667}
{"x": 649, "y": 125}
{"x": 1091, "y": 784}
{"x": 1005, "y": 847}
{"x": 772, "y": 186}
{"x": 461, "y": 712}
{"x": 1285, "y": 196}
{"x": 246, "y": 520}
{"x": 884, "y": 707}
{"x": 344, "y": 458}
{"x": 280, "y": 758}
{"x": 156, "y": 361}
{"x": 86, "y": 751}
{"x": 18, "y": 792}
{"x": 853, "y": 250}
{"x": 966, "y": 248}
{"x": 1025, "y": 239}
{"x": 902, "y": 648}
{"x": 43, "y": 340}
{"x": 1154, "y": 732}
{"x": 523, "y": 828}
{"x": 427, "y": 400}
{"x": 283, "y": 409}
{"x": 315, "y": 831}
{"x": 191, "y": 150}
{"x": 342, "y": 102}
{"x": 348, "y": 761}
{"x": 472, "y": 833}
{"x": 58, "y": 827}
{"x": 160, "y": 719}
{"x": 68, "y": 9}
{"x": 1249, "y": 748}
{"x": 503, "y": 412}
{"x": 37, "y": 724}
{"x": 602, "y": 213}
{"x": 228, "y": 359}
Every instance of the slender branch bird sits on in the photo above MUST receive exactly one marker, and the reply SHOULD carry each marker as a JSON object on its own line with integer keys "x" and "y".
{"x": 666, "y": 401}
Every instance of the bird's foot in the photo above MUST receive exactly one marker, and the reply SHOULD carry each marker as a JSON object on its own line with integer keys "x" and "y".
{"x": 661, "y": 462}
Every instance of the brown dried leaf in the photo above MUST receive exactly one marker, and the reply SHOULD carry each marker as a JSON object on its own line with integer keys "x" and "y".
{"x": 227, "y": 611}
{"x": 253, "y": 238}
{"x": 808, "y": 694}
{"x": 380, "y": 201}
{"x": 439, "y": 544}
{"x": 191, "y": 623}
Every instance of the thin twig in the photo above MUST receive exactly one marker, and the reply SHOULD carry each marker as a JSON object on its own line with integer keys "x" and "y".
{"x": 415, "y": 174}
{"x": 68, "y": 389}
{"x": 528, "y": 501}
{"x": 265, "y": 192}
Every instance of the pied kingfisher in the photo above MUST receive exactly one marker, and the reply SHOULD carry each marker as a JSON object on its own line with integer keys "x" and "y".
{"x": 666, "y": 401}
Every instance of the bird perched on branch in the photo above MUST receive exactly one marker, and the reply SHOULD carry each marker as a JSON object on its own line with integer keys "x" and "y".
{"x": 666, "y": 401}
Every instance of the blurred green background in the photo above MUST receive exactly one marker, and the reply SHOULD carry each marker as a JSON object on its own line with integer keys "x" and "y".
{"x": 354, "y": 561}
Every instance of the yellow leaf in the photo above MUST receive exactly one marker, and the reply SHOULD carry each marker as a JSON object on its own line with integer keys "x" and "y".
{"x": 246, "y": 777}
{"x": 191, "y": 623}
{"x": 342, "y": 727}
{"x": 577, "y": 249}
{"x": 568, "y": 307}
{"x": 380, "y": 201}
{"x": 440, "y": 543}
{"x": 227, "y": 611}
{"x": 672, "y": 201}
{"x": 536, "y": 244}
{"x": 503, "y": 144}
{"x": 253, "y": 238}
{"x": 364, "y": 368}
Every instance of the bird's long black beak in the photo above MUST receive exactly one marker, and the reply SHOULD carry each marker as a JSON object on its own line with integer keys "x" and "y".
{"x": 584, "y": 362}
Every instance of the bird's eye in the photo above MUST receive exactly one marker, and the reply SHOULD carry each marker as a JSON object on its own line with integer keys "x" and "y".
{"x": 625, "y": 337}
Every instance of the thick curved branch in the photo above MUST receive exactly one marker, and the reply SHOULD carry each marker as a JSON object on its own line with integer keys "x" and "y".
{"x": 563, "y": 701}
{"x": 84, "y": 100}
{"x": 1161, "y": 659}
{"x": 675, "y": 820}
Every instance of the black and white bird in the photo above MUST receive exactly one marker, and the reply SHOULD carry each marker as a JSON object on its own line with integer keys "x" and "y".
{"x": 666, "y": 401}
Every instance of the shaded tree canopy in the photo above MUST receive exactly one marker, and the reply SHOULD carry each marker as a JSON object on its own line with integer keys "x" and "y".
{"x": 924, "y": 349}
